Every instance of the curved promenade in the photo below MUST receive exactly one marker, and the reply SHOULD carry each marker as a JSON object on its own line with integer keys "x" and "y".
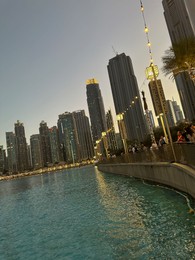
{"x": 178, "y": 176}
{"x": 158, "y": 166}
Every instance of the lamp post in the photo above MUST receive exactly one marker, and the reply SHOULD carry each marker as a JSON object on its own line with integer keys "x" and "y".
{"x": 152, "y": 73}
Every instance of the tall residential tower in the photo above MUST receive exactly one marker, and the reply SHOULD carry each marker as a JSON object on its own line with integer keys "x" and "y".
{"x": 96, "y": 109}
{"x": 126, "y": 96}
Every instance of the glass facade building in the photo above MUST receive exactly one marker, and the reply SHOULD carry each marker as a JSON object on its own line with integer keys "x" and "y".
{"x": 96, "y": 109}
{"x": 126, "y": 96}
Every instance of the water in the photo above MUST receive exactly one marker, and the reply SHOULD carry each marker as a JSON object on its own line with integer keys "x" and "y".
{"x": 85, "y": 214}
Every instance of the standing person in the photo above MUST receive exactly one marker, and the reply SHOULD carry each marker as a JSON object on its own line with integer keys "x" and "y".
{"x": 154, "y": 146}
{"x": 161, "y": 141}
{"x": 180, "y": 137}
{"x": 190, "y": 134}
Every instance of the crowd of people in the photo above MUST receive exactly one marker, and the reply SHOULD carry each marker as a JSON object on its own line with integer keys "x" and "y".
{"x": 187, "y": 135}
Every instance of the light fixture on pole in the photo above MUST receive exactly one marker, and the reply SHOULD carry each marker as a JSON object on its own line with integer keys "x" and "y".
{"x": 152, "y": 74}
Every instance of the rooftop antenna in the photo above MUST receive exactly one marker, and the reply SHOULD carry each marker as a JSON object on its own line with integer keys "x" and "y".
{"x": 115, "y": 52}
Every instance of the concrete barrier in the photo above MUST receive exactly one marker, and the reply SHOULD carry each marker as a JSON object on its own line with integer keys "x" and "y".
{"x": 176, "y": 175}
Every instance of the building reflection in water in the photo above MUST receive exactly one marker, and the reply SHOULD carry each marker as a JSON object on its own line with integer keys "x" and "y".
{"x": 123, "y": 206}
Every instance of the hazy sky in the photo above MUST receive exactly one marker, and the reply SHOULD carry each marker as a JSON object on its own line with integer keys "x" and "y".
{"x": 49, "y": 48}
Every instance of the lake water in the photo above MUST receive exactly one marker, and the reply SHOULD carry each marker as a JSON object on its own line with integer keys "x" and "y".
{"x": 82, "y": 213}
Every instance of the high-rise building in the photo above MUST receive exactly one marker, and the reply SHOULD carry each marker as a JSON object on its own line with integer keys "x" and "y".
{"x": 11, "y": 152}
{"x": 178, "y": 112}
{"x": 2, "y": 160}
{"x": 45, "y": 143}
{"x": 96, "y": 109}
{"x": 111, "y": 135}
{"x": 69, "y": 137}
{"x": 36, "y": 153}
{"x": 180, "y": 20}
{"x": 21, "y": 147}
{"x": 174, "y": 113}
{"x": 126, "y": 96}
{"x": 150, "y": 119}
{"x": 171, "y": 113}
{"x": 84, "y": 135}
{"x": 55, "y": 144}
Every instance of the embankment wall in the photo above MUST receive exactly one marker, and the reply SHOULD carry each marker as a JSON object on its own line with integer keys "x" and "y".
{"x": 178, "y": 176}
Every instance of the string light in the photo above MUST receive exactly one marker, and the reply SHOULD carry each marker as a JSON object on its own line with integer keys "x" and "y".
{"x": 146, "y": 30}
{"x": 152, "y": 66}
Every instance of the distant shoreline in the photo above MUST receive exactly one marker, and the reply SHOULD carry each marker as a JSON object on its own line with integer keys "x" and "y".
{"x": 42, "y": 171}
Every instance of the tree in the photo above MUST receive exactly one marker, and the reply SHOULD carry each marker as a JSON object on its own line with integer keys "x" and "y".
{"x": 180, "y": 57}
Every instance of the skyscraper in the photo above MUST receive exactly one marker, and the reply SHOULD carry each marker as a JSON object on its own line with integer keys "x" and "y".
{"x": 21, "y": 147}
{"x": 84, "y": 135}
{"x": 2, "y": 160}
{"x": 96, "y": 109}
{"x": 171, "y": 113}
{"x": 111, "y": 135}
{"x": 36, "y": 153}
{"x": 45, "y": 143}
{"x": 55, "y": 144}
{"x": 11, "y": 152}
{"x": 180, "y": 20}
{"x": 69, "y": 137}
{"x": 126, "y": 96}
{"x": 178, "y": 112}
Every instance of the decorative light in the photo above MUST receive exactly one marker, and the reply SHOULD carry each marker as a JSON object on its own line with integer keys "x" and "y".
{"x": 103, "y": 134}
{"x": 146, "y": 29}
{"x": 150, "y": 73}
{"x": 119, "y": 117}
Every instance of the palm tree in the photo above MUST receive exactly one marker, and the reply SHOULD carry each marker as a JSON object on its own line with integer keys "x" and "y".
{"x": 179, "y": 58}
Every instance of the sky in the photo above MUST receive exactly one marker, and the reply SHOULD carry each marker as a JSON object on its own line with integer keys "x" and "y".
{"x": 49, "y": 48}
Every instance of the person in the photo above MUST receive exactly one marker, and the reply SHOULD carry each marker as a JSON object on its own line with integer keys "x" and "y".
{"x": 133, "y": 149}
{"x": 190, "y": 134}
{"x": 180, "y": 137}
{"x": 154, "y": 146}
{"x": 161, "y": 141}
{"x": 143, "y": 147}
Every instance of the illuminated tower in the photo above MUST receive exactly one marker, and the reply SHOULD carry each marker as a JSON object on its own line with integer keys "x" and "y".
{"x": 127, "y": 97}
{"x": 180, "y": 20}
{"x": 96, "y": 109}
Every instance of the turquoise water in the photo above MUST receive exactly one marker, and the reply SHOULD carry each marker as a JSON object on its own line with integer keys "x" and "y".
{"x": 85, "y": 214}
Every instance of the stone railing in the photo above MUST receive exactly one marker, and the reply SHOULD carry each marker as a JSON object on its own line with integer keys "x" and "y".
{"x": 185, "y": 154}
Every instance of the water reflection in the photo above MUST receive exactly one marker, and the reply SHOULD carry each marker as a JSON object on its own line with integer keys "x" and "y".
{"x": 125, "y": 211}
